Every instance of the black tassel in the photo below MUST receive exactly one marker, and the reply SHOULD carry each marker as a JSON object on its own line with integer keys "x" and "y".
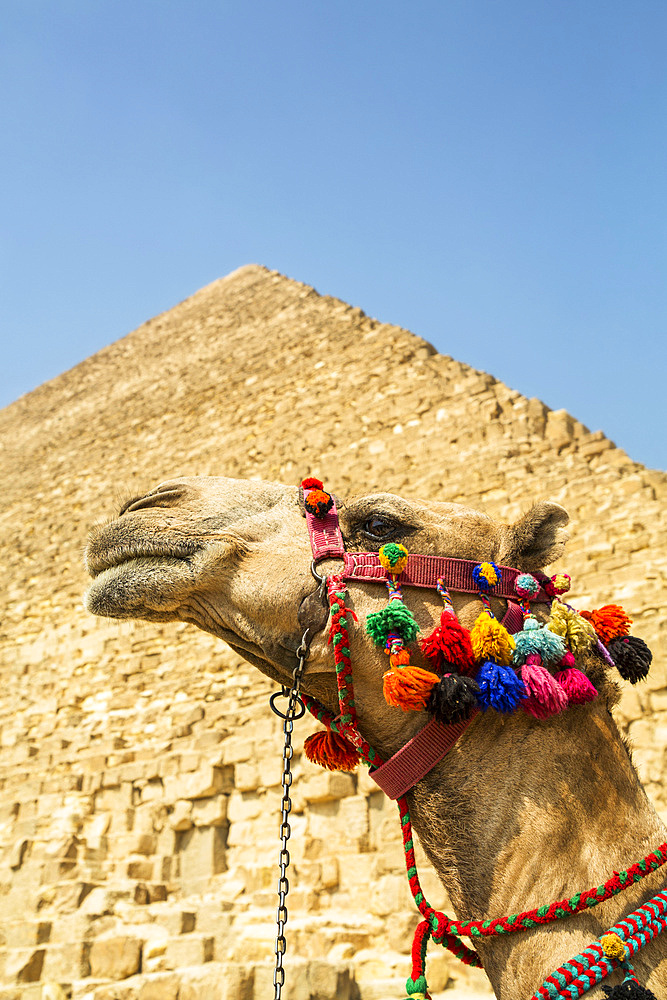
{"x": 453, "y": 698}
{"x": 628, "y": 990}
{"x": 631, "y": 656}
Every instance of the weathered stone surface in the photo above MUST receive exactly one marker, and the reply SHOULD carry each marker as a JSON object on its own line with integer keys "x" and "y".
{"x": 139, "y": 763}
{"x": 115, "y": 957}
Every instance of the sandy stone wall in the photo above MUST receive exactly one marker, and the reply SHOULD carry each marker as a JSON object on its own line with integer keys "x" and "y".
{"x": 139, "y": 764}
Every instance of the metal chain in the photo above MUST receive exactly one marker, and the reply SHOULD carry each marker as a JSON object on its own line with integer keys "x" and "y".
{"x": 295, "y": 709}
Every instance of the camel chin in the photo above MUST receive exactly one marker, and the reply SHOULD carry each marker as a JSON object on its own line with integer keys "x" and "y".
{"x": 148, "y": 587}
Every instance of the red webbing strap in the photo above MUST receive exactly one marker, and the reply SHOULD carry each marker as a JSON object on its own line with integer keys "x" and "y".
{"x": 419, "y": 756}
{"x": 424, "y": 571}
{"x": 325, "y": 537}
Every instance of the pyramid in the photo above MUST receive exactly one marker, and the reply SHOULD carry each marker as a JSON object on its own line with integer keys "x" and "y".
{"x": 139, "y": 764}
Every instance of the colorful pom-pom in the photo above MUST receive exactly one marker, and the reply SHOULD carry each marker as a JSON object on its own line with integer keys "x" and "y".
{"x": 499, "y": 688}
{"x": 632, "y": 657}
{"x": 311, "y": 483}
{"x": 491, "y": 641}
{"x": 396, "y": 617}
{"x": 549, "y": 647}
{"x": 448, "y": 645}
{"x": 486, "y": 576}
{"x": 559, "y": 584}
{"x": 453, "y": 698}
{"x": 318, "y": 503}
{"x": 609, "y": 622}
{"x": 576, "y": 686}
{"x": 526, "y": 586}
{"x": 331, "y": 750}
{"x": 567, "y": 661}
{"x": 408, "y": 687}
{"x": 579, "y": 635}
{"x": 393, "y": 558}
{"x": 545, "y": 696}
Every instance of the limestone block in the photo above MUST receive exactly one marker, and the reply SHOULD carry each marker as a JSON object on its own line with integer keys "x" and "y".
{"x": 325, "y": 786}
{"x": 201, "y": 784}
{"x": 53, "y": 991}
{"x": 311, "y": 980}
{"x": 237, "y": 748}
{"x": 96, "y": 828}
{"x": 247, "y": 776}
{"x": 217, "y": 981}
{"x": 158, "y": 986}
{"x": 210, "y": 812}
{"x": 27, "y": 933}
{"x": 23, "y": 965}
{"x": 67, "y": 961}
{"x": 353, "y": 815}
{"x": 243, "y": 806}
{"x": 188, "y": 949}
{"x": 201, "y": 854}
{"x": 115, "y": 957}
{"x": 181, "y": 816}
{"x": 18, "y": 853}
{"x": 141, "y": 870}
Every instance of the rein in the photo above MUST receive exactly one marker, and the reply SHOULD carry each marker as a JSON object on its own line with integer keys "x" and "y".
{"x": 341, "y": 746}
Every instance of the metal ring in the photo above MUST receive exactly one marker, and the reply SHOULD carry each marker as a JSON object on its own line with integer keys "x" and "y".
{"x": 299, "y": 707}
{"x": 313, "y": 570}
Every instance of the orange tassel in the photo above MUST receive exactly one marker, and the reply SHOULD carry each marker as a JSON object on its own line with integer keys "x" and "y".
{"x": 331, "y": 750}
{"x": 610, "y": 622}
{"x": 399, "y": 659}
{"x": 409, "y": 687}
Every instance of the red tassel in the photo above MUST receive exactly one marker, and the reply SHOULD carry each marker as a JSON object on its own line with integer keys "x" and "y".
{"x": 331, "y": 750}
{"x": 408, "y": 687}
{"x": 448, "y": 645}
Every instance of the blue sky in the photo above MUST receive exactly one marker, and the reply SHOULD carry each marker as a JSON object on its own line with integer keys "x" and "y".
{"x": 489, "y": 174}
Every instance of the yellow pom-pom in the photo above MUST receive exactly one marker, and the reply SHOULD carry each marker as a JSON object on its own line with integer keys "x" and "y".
{"x": 393, "y": 558}
{"x": 490, "y": 640}
{"x": 578, "y": 634}
{"x": 488, "y": 571}
{"x": 561, "y": 583}
{"x": 613, "y": 946}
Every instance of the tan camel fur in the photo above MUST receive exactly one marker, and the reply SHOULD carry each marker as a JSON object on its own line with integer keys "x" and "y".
{"x": 522, "y": 811}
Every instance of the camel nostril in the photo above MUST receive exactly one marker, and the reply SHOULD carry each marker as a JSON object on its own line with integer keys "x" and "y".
{"x": 163, "y": 496}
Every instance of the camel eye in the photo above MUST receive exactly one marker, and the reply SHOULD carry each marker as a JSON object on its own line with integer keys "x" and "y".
{"x": 377, "y": 527}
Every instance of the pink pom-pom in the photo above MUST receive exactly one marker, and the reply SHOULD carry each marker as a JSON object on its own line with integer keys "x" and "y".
{"x": 545, "y": 695}
{"x": 526, "y": 586}
{"x": 576, "y": 686}
{"x": 567, "y": 661}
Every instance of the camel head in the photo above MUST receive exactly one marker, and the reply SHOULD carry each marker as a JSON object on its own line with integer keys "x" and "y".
{"x": 233, "y": 557}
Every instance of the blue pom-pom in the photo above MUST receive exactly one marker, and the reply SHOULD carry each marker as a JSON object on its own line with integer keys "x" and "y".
{"x": 549, "y": 646}
{"x": 486, "y": 576}
{"x": 499, "y": 688}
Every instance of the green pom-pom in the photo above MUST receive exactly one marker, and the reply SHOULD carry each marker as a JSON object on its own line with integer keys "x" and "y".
{"x": 394, "y": 618}
{"x": 416, "y": 987}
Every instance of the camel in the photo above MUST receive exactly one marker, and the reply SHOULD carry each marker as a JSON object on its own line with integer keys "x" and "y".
{"x": 521, "y": 811}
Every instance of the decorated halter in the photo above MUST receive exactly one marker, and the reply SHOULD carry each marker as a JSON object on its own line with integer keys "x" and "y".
{"x": 517, "y": 664}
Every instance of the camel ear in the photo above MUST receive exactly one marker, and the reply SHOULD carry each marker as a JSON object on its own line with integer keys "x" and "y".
{"x": 537, "y": 539}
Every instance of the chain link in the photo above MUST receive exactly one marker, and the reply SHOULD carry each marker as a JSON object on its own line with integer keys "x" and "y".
{"x": 295, "y": 709}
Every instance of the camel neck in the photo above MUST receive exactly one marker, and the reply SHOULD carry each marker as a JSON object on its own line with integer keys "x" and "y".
{"x": 522, "y": 813}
